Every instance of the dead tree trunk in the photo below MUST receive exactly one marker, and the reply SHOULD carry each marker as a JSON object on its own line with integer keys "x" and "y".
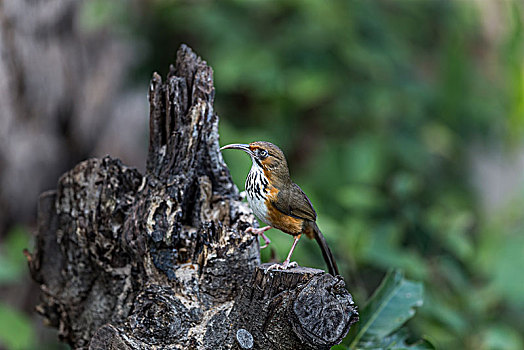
{"x": 132, "y": 261}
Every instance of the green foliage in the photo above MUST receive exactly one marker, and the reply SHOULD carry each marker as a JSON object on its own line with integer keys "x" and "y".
{"x": 500, "y": 252}
{"x": 392, "y": 304}
{"x": 12, "y": 262}
{"x": 396, "y": 341}
{"x": 15, "y": 329}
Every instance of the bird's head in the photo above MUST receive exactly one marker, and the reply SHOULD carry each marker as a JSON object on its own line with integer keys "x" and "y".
{"x": 266, "y": 155}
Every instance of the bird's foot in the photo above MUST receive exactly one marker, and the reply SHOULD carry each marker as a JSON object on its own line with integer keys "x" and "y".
{"x": 260, "y": 232}
{"x": 291, "y": 264}
{"x": 284, "y": 266}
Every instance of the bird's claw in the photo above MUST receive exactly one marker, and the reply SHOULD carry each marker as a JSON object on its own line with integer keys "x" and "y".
{"x": 292, "y": 264}
{"x": 284, "y": 266}
{"x": 255, "y": 231}
{"x": 260, "y": 232}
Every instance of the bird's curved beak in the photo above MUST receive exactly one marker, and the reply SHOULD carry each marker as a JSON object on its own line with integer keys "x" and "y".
{"x": 240, "y": 146}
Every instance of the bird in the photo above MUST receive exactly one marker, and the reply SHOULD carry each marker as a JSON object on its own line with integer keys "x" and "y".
{"x": 279, "y": 202}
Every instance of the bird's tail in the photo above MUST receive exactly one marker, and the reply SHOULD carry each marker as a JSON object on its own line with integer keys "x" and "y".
{"x": 326, "y": 252}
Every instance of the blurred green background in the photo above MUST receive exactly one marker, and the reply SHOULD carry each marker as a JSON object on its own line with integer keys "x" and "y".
{"x": 403, "y": 121}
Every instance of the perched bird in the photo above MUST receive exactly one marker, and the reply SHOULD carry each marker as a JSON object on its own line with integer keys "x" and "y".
{"x": 279, "y": 202}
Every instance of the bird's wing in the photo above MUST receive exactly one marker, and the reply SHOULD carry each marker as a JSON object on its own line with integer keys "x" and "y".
{"x": 293, "y": 201}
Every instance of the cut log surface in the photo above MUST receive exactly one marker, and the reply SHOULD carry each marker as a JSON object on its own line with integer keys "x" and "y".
{"x": 160, "y": 260}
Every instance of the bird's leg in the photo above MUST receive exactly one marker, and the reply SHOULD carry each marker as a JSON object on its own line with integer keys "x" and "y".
{"x": 286, "y": 262}
{"x": 260, "y": 232}
{"x": 267, "y": 240}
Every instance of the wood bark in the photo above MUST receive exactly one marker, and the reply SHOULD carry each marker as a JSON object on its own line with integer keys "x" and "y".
{"x": 160, "y": 260}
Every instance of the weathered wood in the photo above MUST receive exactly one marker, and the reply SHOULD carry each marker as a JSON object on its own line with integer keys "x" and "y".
{"x": 161, "y": 260}
{"x": 299, "y": 308}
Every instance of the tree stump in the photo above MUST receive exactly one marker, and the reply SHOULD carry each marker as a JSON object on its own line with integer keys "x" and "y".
{"x": 161, "y": 260}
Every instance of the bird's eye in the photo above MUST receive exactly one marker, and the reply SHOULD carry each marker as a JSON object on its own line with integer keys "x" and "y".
{"x": 262, "y": 153}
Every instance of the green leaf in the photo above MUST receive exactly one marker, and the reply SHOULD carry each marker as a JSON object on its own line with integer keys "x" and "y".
{"x": 339, "y": 347}
{"x": 396, "y": 341}
{"x": 392, "y": 304}
{"x": 15, "y": 329}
